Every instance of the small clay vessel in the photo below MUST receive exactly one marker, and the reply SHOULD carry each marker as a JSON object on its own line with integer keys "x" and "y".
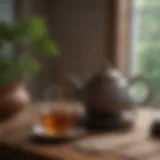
{"x": 13, "y": 98}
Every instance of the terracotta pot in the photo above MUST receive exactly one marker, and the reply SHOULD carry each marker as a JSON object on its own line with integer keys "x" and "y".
{"x": 13, "y": 98}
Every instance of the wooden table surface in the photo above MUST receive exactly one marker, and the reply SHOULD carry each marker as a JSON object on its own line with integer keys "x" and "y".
{"x": 15, "y": 140}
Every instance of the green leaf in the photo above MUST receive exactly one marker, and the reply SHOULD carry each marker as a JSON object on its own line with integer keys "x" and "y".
{"x": 5, "y": 31}
{"x": 8, "y": 70}
{"x": 46, "y": 47}
{"x": 36, "y": 28}
{"x": 20, "y": 28}
{"x": 28, "y": 66}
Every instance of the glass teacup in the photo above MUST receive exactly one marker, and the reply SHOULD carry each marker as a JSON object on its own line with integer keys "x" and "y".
{"x": 59, "y": 118}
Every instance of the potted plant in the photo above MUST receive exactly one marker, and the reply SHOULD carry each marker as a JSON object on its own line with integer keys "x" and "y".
{"x": 19, "y": 43}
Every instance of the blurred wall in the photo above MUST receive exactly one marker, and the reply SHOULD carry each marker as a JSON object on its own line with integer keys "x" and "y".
{"x": 83, "y": 32}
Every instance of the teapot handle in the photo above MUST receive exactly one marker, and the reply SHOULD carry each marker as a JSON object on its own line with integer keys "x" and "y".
{"x": 150, "y": 92}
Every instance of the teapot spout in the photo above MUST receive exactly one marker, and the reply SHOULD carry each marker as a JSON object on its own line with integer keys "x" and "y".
{"x": 77, "y": 88}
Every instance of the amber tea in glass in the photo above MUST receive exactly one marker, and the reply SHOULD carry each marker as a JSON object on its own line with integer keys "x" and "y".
{"x": 59, "y": 119}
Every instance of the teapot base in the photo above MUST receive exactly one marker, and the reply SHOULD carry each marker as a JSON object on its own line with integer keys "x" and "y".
{"x": 97, "y": 120}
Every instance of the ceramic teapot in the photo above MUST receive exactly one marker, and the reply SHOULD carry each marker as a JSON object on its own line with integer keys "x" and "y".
{"x": 108, "y": 91}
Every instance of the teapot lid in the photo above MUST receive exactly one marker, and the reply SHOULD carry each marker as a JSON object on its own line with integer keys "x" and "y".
{"x": 107, "y": 71}
{"x": 105, "y": 74}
